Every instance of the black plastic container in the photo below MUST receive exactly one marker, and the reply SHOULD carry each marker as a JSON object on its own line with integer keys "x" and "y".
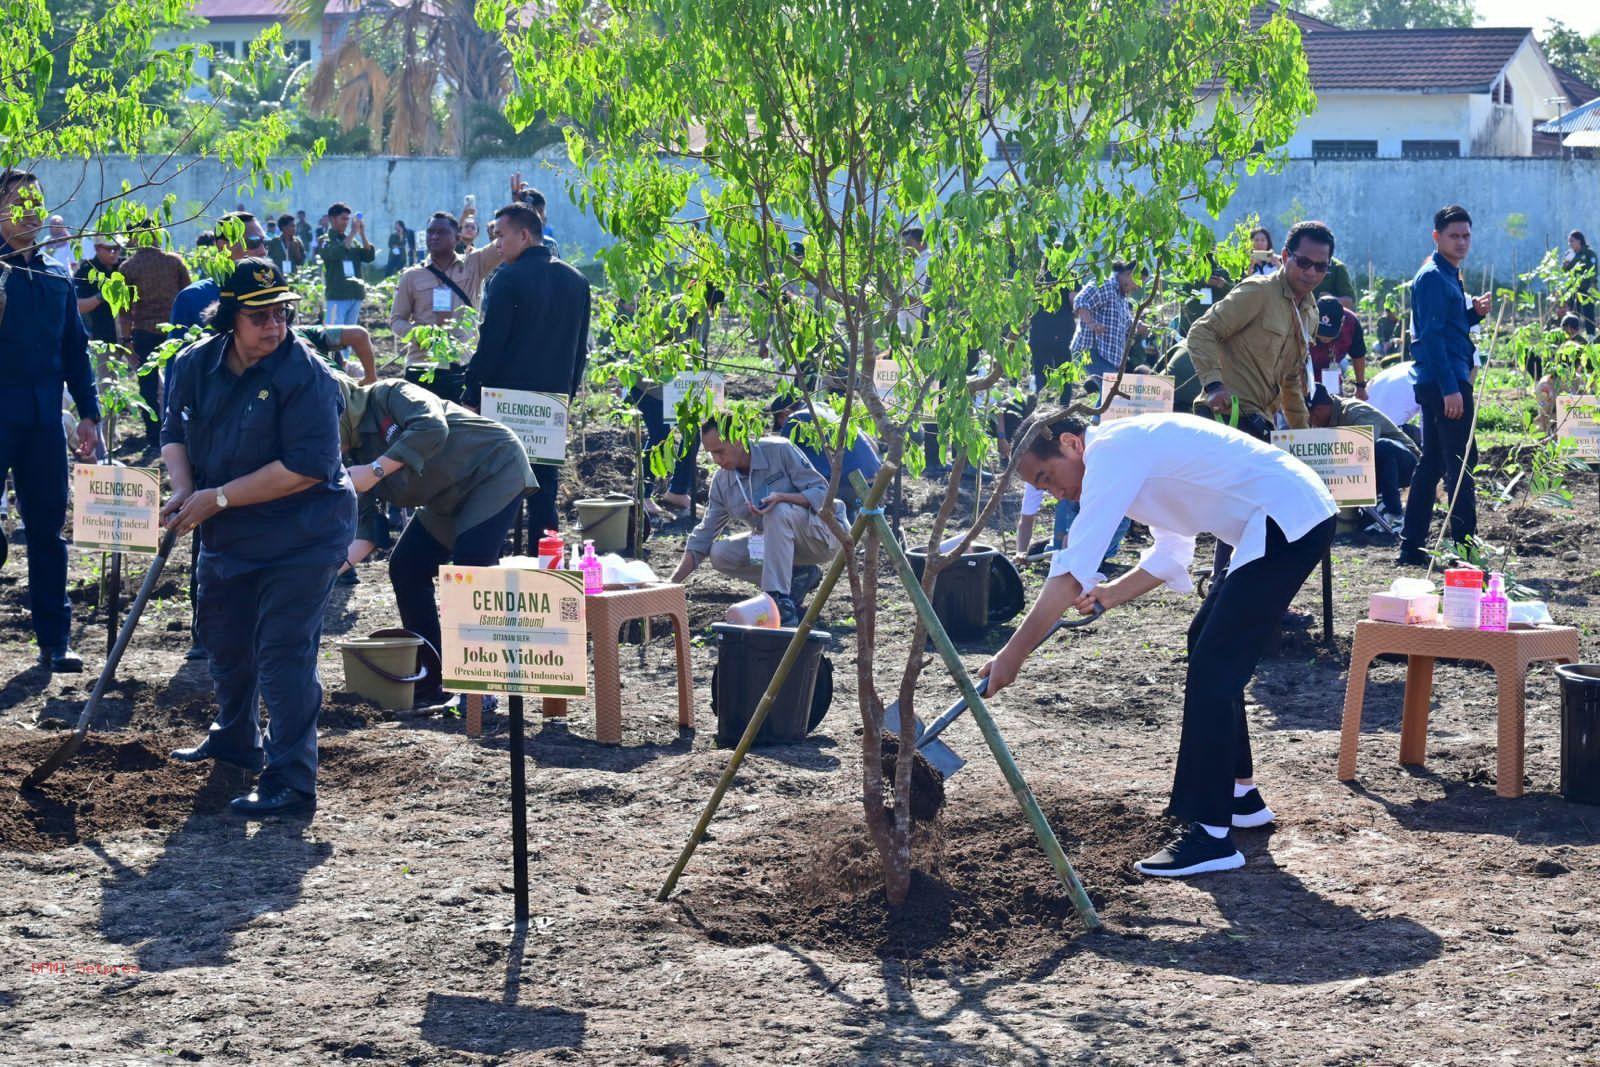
{"x": 1580, "y": 732}
{"x": 747, "y": 658}
{"x": 961, "y": 592}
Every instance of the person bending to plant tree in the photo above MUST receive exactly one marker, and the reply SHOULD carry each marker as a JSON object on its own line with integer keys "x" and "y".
{"x": 771, "y": 486}
{"x": 1182, "y": 477}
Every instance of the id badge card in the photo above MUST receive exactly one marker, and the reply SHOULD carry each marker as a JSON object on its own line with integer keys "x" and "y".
{"x": 758, "y": 548}
{"x": 441, "y": 299}
{"x": 349, "y": 268}
{"x": 288, "y": 268}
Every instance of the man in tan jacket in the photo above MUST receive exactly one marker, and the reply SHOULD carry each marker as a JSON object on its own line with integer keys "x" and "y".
{"x": 1251, "y": 347}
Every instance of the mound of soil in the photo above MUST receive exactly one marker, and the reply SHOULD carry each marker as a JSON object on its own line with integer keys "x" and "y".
{"x": 127, "y": 781}
{"x": 982, "y": 889}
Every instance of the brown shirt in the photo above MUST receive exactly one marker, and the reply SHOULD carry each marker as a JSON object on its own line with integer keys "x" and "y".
{"x": 1256, "y": 341}
{"x": 415, "y": 294}
{"x": 157, "y": 277}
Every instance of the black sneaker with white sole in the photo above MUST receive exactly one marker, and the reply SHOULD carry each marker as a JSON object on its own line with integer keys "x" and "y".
{"x": 1196, "y": 852}
{"x": 1250, "y": 811}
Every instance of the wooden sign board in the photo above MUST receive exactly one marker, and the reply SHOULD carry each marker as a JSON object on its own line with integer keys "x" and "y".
{"x": 1139, "y": 394}
{"x": 513, "y": 630}
{"x": 116, "y": 509}
{"x": 538, "y": 419}
{"x": 1344, "y": 457}
{"x": 1578, "y": 421}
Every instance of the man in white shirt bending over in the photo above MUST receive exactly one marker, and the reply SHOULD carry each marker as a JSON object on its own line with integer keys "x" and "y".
{"x": 1182, "y": 476}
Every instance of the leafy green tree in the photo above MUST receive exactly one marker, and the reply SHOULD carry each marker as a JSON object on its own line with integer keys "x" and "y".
{"x": 85, "y": 80}
{"x": 1399, "y": 14}
{"x": 1569, "y": 49}
{"x": 775, "y": 151}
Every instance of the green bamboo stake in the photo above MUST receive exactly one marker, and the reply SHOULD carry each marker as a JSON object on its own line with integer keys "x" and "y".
{"x": 986, "y": 724}
{"x": 871, "y": 498}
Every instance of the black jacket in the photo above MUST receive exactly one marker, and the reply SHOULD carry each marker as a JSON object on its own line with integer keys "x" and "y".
{"x": 535, "y": 331}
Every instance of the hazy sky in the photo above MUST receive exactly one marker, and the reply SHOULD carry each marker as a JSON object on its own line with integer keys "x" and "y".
{"x": 1581, "y": 15}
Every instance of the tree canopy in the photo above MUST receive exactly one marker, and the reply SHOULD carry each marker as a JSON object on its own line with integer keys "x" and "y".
{"x": 1398, "y": 14}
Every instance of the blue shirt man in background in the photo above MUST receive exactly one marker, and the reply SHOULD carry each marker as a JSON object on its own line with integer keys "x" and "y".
{"x": 1441, "y": 317}
{"x": 43, "y": 346}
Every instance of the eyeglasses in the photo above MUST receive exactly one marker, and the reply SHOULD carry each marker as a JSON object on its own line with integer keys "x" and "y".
{"x": 268, "y": 317}
{"x": 1316, "y": 266}
{"x": 254, "y": 240}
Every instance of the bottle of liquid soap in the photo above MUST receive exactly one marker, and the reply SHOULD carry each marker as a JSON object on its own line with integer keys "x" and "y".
{"x": 1495, "y": 608}
{"x": 593, "y": 582}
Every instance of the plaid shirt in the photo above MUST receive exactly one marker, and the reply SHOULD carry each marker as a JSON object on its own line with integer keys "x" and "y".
{"x": 1108, "y": 308}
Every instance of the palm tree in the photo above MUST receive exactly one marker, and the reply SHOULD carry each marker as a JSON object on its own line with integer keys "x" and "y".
{"x": 401, "y": 58}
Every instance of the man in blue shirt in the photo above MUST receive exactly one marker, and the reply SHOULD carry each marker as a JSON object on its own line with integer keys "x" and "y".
{"x": 1441, "y": 317}
{"x": 43, "y": 345}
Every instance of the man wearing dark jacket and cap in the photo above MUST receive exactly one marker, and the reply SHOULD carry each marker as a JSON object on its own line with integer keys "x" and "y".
{"x": 535, "y": 333}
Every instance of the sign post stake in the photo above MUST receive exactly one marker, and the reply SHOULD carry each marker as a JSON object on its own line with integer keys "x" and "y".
{"x": 1327, "y": 596}
{"x": 1344, "y": 457}
{"x": 519, "y": 812}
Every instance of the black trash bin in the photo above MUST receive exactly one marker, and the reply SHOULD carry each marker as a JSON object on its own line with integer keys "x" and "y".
{"x": 1580, "y": 732}
{"x": 747, "y": 658}
{"x": 962, "y": 590}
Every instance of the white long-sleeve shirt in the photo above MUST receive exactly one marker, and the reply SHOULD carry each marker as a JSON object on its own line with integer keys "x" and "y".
{"x": 1182, "y": 476}
{"x": 1391, "y": 392}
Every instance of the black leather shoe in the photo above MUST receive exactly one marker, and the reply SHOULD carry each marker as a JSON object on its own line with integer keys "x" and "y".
{"x": 1412, "y": 557}
{"x": 201, "y": 752}
{"x": 61, "y": 660}
{"x": 280, "y": 801}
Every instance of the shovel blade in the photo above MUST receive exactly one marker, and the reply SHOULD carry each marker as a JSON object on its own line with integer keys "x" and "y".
{"x": 939, "y": 755}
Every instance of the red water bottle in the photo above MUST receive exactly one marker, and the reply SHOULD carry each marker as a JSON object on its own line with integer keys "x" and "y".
{"x": 551, "y": 549}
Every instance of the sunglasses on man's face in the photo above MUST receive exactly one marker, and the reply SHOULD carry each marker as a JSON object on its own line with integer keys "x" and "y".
{"x": 255, "y": 240}
{"x": 1316, "y": 266}
{"x": 261, "y": 319}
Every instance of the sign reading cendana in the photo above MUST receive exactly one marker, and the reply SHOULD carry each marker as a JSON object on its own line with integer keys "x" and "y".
{"x": 513, "y": 630}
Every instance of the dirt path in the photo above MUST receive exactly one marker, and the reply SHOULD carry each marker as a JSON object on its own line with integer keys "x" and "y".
{"x": 1414, "y": 917}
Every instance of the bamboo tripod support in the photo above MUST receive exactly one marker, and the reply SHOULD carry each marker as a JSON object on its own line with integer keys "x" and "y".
{"x": 873, "y": 513}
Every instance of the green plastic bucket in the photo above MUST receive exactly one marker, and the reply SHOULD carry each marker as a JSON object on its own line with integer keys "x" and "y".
{"x": 606, "y": 521}
{"x": 382, "y": 669}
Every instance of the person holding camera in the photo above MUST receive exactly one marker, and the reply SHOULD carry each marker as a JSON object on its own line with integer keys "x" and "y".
{"x": 343, "y": 251}
{"x": 251, "y": 443}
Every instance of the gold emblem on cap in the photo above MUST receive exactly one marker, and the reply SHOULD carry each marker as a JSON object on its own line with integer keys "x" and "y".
{"x": 264, "y": 276}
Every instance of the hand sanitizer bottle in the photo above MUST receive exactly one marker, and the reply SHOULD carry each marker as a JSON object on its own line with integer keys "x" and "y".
{"x": 1494, "y": 608}
{"x": 593, "y": 582}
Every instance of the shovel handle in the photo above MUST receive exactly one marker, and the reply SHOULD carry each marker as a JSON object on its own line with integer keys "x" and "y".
{"x": 129, "y": 624}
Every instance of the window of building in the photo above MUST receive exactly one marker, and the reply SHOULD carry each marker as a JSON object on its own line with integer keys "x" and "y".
{"x": 1502, "y": 91}
{"x": 226, "y": 48}
{"x": 1430, "y": 149}
{"x": 1008, "y": 148}
{"x": 1344, "y": 149}
{"x": 298, "y": 51}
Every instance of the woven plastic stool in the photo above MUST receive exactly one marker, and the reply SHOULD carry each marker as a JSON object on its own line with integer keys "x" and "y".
{"x": 1509, "y": 652}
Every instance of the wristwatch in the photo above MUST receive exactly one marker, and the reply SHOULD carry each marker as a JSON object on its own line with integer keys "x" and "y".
{"x": 222, "y": 498}
{"x": 377, "y": 469}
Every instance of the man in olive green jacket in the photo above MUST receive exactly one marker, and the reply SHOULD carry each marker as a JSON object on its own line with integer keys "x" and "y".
{"x": 1251, "y": 348}
{"x": 464, "y": 473}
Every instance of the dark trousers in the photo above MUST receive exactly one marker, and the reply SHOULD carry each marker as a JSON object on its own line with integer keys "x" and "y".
{"x": 447, "y": 383}
{"x": 36, "y": 456}
{"x": 262, "y": 630}
{"x": 542, "y": 514}
{"x": 1447, "y": 446}
{"x": 417, "y": 557}
{"x": 1395, "y": 464}
{"x": 657, "y": 429}
{"x": 1238, "y": 621}
{"x": 146, "y": 342}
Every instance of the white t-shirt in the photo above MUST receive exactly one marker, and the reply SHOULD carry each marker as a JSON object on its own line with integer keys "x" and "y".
{"x": 1182, "y": 476}
{"x": 1390, "y": 391}
{"x": 1032, "y": 500}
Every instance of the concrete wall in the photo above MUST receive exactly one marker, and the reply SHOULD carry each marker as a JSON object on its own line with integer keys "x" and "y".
{"x": 1381, "y": 210}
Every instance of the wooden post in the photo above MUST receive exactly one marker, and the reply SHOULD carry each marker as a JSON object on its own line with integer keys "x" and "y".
{"x": 991, "y": 732}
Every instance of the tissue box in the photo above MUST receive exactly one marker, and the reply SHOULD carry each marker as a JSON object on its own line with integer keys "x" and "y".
{"x": 1414, "y": 610}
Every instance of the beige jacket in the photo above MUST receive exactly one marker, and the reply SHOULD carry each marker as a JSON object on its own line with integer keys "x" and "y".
{"x": 413, "y": 295}
{"x": 1255, "y": 341}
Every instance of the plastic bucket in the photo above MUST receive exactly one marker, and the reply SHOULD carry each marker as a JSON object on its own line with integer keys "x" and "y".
{"x": 961, "y": 592}
{"x": 1580, "y": 732}
{"x": 606, "y": 521}
{"x": 747, "y": 658}
{"x": 383, "y": 669}
{"x": 759, "y": 610}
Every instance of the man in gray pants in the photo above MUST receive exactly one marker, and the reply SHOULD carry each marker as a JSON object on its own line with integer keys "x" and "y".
{"x": 773, "y": 487}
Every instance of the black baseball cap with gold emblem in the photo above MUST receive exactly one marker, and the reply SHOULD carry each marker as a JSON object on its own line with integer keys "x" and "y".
{"x": 257, "y": 282}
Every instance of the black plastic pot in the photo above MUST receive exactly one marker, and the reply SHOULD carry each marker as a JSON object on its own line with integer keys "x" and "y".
{"x": 961, "y": 593}
{"x": 747, "y": 658}
{"x": 1580, "y": 732}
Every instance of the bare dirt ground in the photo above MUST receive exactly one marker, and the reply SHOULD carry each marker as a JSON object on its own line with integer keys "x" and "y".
{"x": 1413, "y": 917}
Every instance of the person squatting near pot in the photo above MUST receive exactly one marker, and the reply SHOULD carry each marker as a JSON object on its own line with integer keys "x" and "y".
{"x": 251, "y": 443}
{"x": 465, "y": 474}
{"x": 1181, "y": 477}
{"x": 773, "y": 487}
